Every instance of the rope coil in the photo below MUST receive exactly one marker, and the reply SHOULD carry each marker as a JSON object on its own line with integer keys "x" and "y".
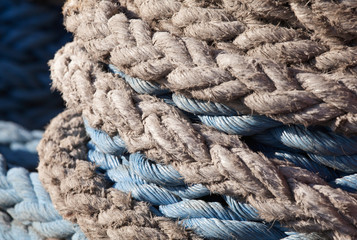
{"x": 228, "y": 94}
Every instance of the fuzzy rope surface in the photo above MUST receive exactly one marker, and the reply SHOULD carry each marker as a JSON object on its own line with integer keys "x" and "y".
{"x": 186, "y": 46}
{"x": 147, "y": 124}
{"x": 82, "y": 195}
{"x": 132, "y": 218}
{"x": 164, "y": 189}
{"x": 252, "y": 58}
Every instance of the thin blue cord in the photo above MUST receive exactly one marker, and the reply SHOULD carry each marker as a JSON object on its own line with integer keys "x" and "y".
{"x": 213, "y": 228}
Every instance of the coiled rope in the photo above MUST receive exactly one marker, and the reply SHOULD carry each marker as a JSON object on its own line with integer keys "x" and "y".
{"x": 128, "y": 108}
{"x": 164, "y": 188}
{"x": 26, "y": 210}
{"x": 30, "y": 35}
{"x": 322, "y": 146}
{"x": 254, "y": 72}
{"x": 159, "y": 185}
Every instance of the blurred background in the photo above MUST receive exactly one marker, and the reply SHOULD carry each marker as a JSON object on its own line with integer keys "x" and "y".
{"x": 30, "y": 34}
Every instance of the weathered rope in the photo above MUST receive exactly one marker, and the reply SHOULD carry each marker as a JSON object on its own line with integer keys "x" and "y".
{"x": 128, "y": 108}
{"x": 244, "y": 68}
{"x": 164, "y": 188}
{"x": 330, "y": 149}
{"x": 30, "y": 35}
{"x": 26, "y": 210}
{"x": 199, "y": 60}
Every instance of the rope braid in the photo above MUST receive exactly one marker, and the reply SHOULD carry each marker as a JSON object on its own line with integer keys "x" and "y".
{"x": 244, "y": 68}
{"x": 26, "y": 210}
{"x": 238, "y": 220}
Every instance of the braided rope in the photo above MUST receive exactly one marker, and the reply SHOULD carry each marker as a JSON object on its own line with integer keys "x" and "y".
{"x": 328, "y": 148}
{"x": 26, "y": 210}
{"x": 161, "y": 186}
{"x": 149, "y": 125}
{"x": 164, "y": 188}
{"x": 282, "y": 68}
{"x": 30, "y": 35}
{"x": 242, "y": 67}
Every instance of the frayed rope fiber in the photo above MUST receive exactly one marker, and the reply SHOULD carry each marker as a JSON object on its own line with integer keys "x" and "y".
{"x": 26, "y": 210}
{"x": 30, "y": 35}
{"x": 254, "y": 101}
{"x": 159, "y": 185}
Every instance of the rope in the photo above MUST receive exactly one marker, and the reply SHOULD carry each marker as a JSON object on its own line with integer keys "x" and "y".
{"x": 161, "y": 132}
{"x": 280, "y": 68}
{"x": 164, "y": 188}
{"x": 147, "y": 182}
{"x": 208, "y": 89}
{"x": 26, "y": 208}
{"x": 321, "y": 145}
{"x": 31, "y": 34}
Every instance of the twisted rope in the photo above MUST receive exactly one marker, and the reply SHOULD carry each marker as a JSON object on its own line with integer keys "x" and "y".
{"x": 26, "y": 210}
{"x": 229, "y": 167}
{"x": 321, "y": 145}
{"x": 30, "y": 35}
{"x": 240, "y": 67}
{"x": 187, "y": 48}
{"x": 160, "y": 185}
{"x": 164, "y": 188}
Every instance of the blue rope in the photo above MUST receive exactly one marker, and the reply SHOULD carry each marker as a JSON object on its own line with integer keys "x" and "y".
{"x": 140, "y": 86}
{"x": 201, "y": 107}
{"x": 189, "y": 192}
{"x": 228, "y": 229}
{"x": 302, "y": 161}
{"x": 317, "y": 144}
{"x": 154, "y": 173}
{"x": 164, "y": 189}
{"x": 241, "y": 125}
{"x": 348, "y": 183}
{"x": 315, "y": 141}
{"x": 26, "y": 210}
{"x": 30, "y": 36}
{"x": 18, "y": 145}
{"x": 246, "y": 211}
{"x": 198, "y": 209}
{"x": 114, "y": 146}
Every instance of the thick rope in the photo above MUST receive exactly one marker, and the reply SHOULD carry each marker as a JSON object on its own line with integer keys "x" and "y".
{"x": 187, "y": 47}
{"x": 330, "y": 149}
{"x": 101, "y": 212}
{"x": 245, "y": 68}
{"x": 26, "y": 210}
{"x": 30, "y": 35}
{"x": 230, "y": 168}
{"x": 162, "y": 186}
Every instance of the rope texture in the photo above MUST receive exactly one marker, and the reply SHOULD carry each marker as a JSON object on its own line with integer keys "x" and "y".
{"x": 26, "y": 210}
{"x": 221, "y": 162}
{"x": 257, "y": 56}
{"x": 231, "y": 59}
{"x": 147, "y": 182}
{"x": 30, "y": 36}
{"x": 164, "y": 189}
